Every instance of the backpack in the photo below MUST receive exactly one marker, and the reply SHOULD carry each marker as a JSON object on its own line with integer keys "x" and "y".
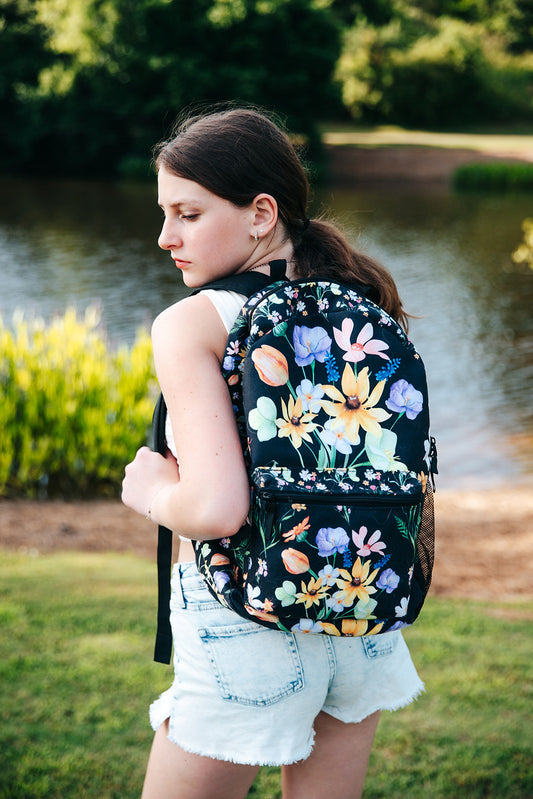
{"x": 330, "y": 398}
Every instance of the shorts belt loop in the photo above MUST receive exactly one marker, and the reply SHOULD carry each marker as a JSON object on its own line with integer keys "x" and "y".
{"x": 177, "y": 589}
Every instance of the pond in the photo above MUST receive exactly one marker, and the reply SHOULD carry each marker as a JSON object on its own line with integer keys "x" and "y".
{"x": 80, "y": 243}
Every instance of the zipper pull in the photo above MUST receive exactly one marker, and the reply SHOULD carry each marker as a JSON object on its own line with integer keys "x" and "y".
{"x": 270, "y": 508}
{"x": 433, "y": 460}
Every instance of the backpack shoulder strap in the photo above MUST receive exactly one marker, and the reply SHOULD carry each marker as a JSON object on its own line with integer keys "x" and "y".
{"x": 247, "y": 283}
{"x": 163, "y": 639}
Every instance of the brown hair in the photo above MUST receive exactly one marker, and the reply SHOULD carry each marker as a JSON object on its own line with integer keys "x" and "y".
{"x": 240, "y": 153}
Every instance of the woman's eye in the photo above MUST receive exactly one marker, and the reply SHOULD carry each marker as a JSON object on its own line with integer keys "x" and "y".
{"x": 189, "y": 217}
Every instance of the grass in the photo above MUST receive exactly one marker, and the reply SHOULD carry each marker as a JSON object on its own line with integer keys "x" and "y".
{"x": 77, "y": 677}
{"x": 494, "y": 177}
{"x": 511, "y": 141}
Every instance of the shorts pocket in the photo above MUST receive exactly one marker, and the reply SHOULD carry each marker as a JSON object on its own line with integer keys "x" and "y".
{"x": 253, "y": 666}
{"x": 379, "y": 645}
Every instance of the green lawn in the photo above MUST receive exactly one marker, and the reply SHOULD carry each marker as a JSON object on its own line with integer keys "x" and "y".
{"x": 77, "y": 677}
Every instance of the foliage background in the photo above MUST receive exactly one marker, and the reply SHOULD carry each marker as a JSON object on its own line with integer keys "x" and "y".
{"x": 88, "y": 86}
{"x": 72, "y": 410}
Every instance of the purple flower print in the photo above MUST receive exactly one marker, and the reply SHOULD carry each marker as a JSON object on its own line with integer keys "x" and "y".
{"x": 388, "y": 580}
{"x": 404, "y": 398}
{"x": 330, "y": 540}
{"x": 220, "y": 578}
{"x": 310, "y": 344}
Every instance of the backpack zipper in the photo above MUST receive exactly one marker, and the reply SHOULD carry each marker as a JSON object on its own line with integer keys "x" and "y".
{"x": 270, "y": 499}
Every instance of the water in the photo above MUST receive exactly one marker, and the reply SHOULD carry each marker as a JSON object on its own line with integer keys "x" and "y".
{"x": 70, "y": 243}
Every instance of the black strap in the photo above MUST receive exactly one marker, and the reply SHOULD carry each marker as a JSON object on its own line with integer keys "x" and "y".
{"x": 163, "y": 639}
{"x": 247, "y": 283}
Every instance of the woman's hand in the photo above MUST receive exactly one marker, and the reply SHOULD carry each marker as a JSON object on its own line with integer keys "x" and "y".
{"x": 148, "y": 475}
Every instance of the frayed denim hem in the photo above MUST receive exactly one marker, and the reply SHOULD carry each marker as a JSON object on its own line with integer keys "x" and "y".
{"x": 381, "y": 706}
{"x": 160, "y": 712}
{"x": 241, "y": 759}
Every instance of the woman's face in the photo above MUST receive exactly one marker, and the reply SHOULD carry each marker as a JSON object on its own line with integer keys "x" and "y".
{"x": 207, "y": 237}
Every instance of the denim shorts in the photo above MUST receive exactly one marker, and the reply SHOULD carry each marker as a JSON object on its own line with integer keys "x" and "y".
{"x": 248, "y": 694}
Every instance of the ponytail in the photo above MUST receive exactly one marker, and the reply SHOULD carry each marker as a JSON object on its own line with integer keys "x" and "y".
{"x": 322, "y": 250}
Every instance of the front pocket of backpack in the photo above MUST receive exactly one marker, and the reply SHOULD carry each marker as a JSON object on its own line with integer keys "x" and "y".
{"x": 334, "y": 550}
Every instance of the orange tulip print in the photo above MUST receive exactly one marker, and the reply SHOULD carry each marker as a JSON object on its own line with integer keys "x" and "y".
{"x": 271, "y": 365}
{"x": 295, "y": 562}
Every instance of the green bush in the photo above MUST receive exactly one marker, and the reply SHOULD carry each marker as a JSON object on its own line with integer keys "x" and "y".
{"x": 436, "y": 73}
{"x": 494, "y": 176}
{"x": 72, "y": 412}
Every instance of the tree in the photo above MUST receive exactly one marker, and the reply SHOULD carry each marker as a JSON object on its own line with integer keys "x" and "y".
{"x": 22, "y": 56}
{"x": 123, "y": 69}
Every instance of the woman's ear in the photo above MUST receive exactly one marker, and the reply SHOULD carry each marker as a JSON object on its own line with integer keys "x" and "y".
{"x": 264, "y": 215}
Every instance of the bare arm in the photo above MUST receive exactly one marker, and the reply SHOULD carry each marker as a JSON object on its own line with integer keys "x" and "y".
{"x": 208, "y": 495}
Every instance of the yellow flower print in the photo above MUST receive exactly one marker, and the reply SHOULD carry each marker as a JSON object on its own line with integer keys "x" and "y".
{"x": 349, "y": 627}
{"x": 356, "y": 585}
{"x": 295, "y": 423}
{"x": 313, "y": 593}
{"x": 329, "y": 628}
{"x": 355, "y": 407}
{"x": 354, "y": 626}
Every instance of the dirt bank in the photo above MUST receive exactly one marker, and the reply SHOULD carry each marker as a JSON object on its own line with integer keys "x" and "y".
{"x": 484, "y": 538}
{"x": 356, "y": 164}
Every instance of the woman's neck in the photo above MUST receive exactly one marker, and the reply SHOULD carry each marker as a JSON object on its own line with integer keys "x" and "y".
{"x": 284, "y": 252}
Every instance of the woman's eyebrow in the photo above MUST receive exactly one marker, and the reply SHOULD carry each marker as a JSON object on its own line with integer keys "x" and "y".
{"x": 178, "y": 203}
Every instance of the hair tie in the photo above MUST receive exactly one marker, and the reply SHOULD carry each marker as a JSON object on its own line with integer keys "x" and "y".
{"x": 306, "y": 224}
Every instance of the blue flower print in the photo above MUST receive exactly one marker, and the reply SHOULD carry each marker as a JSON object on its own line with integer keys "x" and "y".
{"x": 331, "y": 369}
{"x": 404, "y": 398}
{"x": 310, "y": 396}
{"x": 328, "y": 575}
{"x": 388, "y": 580}
{"x": 336, "y": 438}
{"x": 307, "y": 626}
{"x": 398, "y": 625}
{"x": 310, "y": 344}
{"x": 330, "y": 540}
{"x": 401, "y": 609}
{"x": 335, "y": 602}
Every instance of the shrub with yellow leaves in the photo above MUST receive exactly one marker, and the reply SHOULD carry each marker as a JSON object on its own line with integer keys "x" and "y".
{"x": 524, "y": 252}
{"x": 72, "y": 411}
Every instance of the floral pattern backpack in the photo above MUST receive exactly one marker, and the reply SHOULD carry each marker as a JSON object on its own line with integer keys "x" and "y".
{"x": 331, "y": 401}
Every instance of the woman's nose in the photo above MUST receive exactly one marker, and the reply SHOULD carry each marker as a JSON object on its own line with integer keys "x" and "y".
{"x": 168, "y": 237}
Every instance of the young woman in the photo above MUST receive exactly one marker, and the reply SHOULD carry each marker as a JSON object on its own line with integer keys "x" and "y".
{"x": 234, "y": 197}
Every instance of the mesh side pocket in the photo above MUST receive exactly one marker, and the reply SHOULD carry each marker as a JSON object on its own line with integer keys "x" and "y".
{"x": 425, "y": 552}
{"x": 426, "y": 540}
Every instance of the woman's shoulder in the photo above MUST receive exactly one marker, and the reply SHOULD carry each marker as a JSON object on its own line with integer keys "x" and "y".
{"x": 191, "y": 324}
{"x": 188, "y": 311}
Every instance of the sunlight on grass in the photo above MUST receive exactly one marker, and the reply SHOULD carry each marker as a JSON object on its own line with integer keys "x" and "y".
{"x": 77, "y": 677}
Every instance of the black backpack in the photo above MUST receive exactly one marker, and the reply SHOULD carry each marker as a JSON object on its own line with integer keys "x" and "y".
{"x": 331, "y": 401}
